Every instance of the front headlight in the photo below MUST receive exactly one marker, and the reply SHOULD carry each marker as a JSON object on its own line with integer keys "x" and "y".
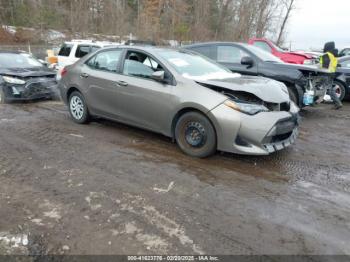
{"x": 284, "y": 88}
{"x": 12, "y": 80}
{"x": 246, "y": 108}
{"x": 308, "y": 62}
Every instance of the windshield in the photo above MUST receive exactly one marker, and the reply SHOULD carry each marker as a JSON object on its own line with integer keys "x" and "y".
{"x": 196, "y": 67}
{"x": 263, "y": 55}
{"x": 9, "y": 60}
{"x": 278, "y": 48}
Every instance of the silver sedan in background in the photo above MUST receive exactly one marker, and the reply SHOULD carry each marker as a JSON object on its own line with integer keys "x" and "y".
{"x": 200, "y": 104}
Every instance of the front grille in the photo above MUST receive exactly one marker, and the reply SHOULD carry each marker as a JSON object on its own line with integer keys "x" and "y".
{"x": 279, "y": 138}
{"x": 285, "y": 106}
{"x": 285, "y": 126}
{"x": 39, "y": 88}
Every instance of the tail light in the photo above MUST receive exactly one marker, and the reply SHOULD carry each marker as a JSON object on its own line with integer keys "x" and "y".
{"x": 63, "y": 72}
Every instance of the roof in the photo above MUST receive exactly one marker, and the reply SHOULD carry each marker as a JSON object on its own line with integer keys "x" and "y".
{"x": 216, "y": 43}
{"x": 90, "y": 42}
{"x": 142, "y": 48}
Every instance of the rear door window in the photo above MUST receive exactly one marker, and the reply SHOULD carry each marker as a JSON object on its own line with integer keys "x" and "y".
{"x": 208, "y": 51}
{"x": 65, "y": 50}
{"x": 82, "y": 50}
{"x": 105, "y": 61}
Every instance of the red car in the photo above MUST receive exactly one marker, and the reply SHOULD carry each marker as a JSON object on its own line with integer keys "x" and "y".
{"x": 288, "y": 57}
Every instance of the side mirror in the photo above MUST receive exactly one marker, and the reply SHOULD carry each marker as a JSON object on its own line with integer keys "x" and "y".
{"x": 158, "y": 76}
{"x": 248, "y": 61}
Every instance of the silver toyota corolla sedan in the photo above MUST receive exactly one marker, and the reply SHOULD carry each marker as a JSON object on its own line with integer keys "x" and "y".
{"x": 200, "y": 104}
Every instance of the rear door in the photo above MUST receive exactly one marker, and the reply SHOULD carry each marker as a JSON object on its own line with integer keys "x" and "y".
{"x": 99, "y": 79}
{"x": 231, "y": 56}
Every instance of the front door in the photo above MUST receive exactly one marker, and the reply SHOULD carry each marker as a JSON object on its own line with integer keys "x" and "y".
{"x": 143, "y": 101}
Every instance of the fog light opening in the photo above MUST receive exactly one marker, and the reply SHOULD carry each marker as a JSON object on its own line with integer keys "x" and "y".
{"x": 241, "y": 142}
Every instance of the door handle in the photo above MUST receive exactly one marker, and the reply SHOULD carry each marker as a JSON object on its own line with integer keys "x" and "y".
{"x": 121, "y": 83}
{"x": 84, "y": 75}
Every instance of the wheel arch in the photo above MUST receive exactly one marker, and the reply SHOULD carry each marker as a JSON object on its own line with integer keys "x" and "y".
{"x": 185, "y": 110}
{"x": 71, "y": 90}
{"x": 297, "y": 90}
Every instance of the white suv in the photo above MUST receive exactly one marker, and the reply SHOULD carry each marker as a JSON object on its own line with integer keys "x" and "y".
{"x": 72, "y": 51}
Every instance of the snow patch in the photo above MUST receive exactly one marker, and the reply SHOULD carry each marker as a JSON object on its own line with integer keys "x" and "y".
{"x": 13, "y": 241}
{"x": 161, "y": 190}
{"x": 54, "y": 35}
{"x": 10, "y": 29}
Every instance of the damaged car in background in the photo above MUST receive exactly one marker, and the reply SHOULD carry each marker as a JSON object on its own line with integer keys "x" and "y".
{"x": 199, "y": 104}
{"x": 307, "y": 84}
{"x": 22, "y": 77}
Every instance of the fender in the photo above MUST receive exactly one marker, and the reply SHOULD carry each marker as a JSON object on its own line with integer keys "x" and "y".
{"x": 300, "y": 93}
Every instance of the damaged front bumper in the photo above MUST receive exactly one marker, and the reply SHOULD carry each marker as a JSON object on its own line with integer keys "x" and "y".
{"x": 260, "y": 134}
{"x": 279, "y": 145}
{"x": 31, "y": 90}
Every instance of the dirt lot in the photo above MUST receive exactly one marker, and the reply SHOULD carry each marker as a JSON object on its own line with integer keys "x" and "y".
{"x": 106, "y": 188}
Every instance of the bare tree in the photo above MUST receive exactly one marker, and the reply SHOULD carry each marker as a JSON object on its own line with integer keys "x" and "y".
{"x": 289, "y": 6}
{"x": 182, "y": 20}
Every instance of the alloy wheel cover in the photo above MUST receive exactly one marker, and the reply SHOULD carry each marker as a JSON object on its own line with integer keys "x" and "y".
{"x": 76, "y": 107}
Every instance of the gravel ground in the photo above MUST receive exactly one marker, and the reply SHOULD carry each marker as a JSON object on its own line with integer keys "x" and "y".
{"x": 106, "y": 188}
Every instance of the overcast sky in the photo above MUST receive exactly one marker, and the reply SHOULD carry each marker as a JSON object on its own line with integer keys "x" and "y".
{"x": 310, "y": 25}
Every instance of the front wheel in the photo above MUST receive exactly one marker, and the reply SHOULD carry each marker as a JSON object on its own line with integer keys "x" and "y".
{"x": 339, "y": 90}
{"x": 78, "y": 109}
{"x": 195, "y": 135}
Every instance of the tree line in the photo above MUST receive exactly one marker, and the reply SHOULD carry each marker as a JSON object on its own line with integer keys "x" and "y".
{"x": 182, "y": 20}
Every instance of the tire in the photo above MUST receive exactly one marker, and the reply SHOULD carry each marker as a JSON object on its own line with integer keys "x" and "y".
{"x": 340, "y": 91}
{"x": 77, "y": 108}
{"x": 195, "y": 135}
{"x": 293, "y": 96}
{"x": 3, "y": 99}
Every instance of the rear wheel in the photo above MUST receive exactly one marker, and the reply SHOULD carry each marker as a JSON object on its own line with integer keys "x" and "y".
{"x": 195, "y": 135}
{"x": 78, "y": 108}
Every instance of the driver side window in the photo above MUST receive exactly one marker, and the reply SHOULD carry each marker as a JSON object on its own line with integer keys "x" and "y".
{"x": 230, "y": 54}
{"x": 140, "y": 65}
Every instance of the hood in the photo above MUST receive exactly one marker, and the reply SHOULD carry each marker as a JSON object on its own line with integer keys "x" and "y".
{"x": 301, "y": 54}
{"x": 27, "y": 72}
{"x": 311, "y": 68}
{"x": 266, "y": 89}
